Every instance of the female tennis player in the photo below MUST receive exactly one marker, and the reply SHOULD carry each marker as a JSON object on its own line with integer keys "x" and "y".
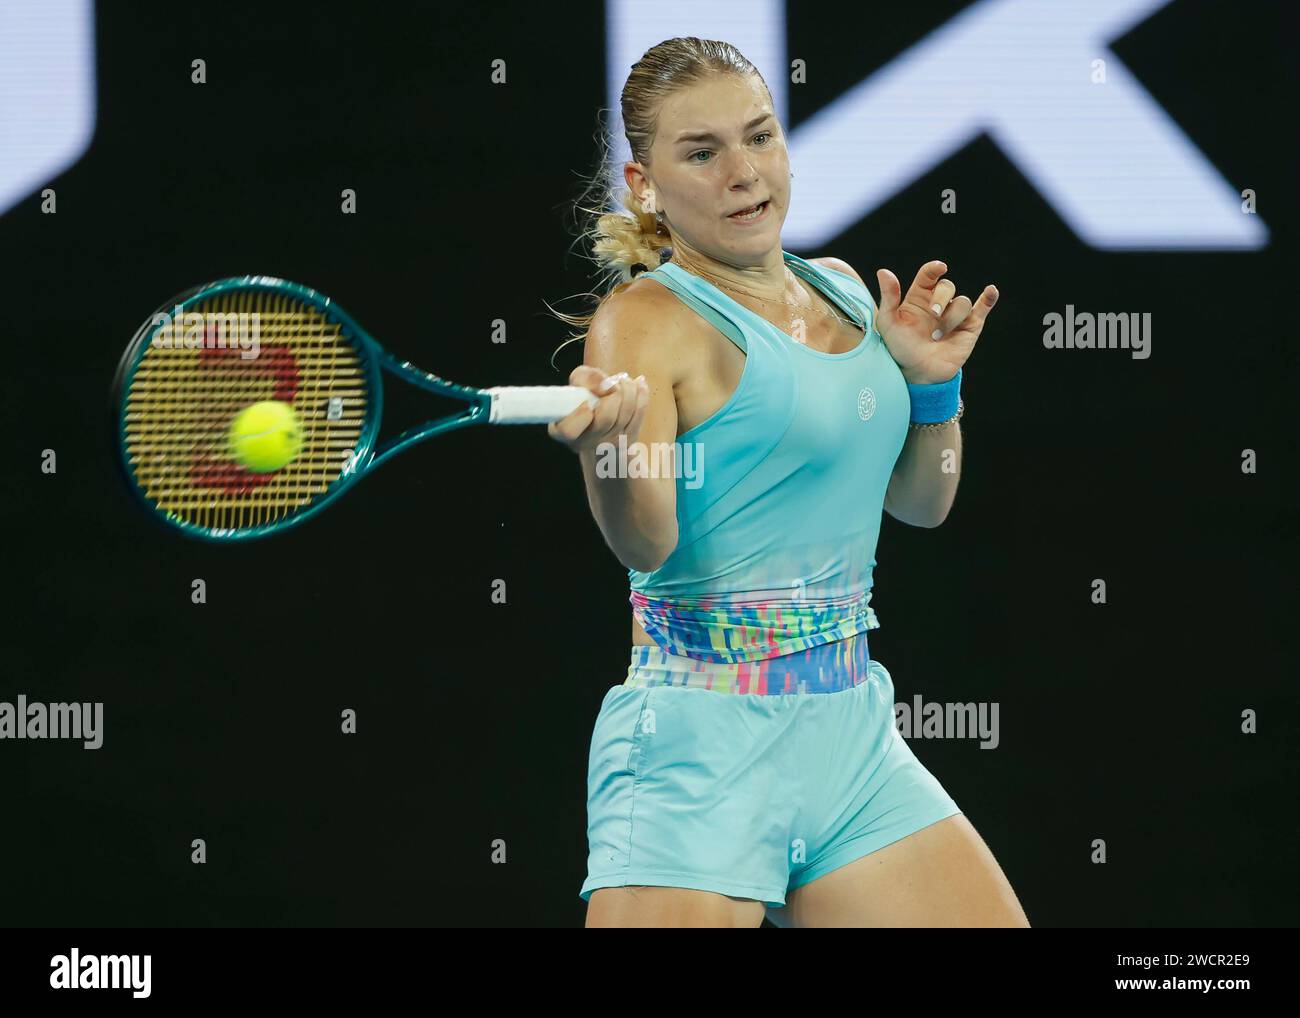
{"x": 750, "y": 764}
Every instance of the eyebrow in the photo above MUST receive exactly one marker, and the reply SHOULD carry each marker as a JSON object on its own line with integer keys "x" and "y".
{"x": 710, "y": 136}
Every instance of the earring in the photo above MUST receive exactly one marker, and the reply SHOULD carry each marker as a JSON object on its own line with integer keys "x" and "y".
{"x": 648, "y": 203}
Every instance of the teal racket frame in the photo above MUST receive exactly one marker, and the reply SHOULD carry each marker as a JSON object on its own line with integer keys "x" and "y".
{"x": 375, "y": 360}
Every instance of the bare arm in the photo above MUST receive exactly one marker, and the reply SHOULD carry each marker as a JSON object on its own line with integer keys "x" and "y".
{"x": 637, "y": 515}
{"x": 923, "y": 485}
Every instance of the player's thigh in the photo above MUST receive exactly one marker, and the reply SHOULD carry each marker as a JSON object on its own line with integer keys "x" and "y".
{"x": 670, "y": 906}
{"x": 942, "y": 875}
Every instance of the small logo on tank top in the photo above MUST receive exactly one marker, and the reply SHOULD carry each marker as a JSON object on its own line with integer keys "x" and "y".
{"x": 866, "y": 403}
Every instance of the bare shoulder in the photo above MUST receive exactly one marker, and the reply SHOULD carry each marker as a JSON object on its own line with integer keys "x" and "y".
{"x": 839, "y": 265}
{"x": 643, "y": 329}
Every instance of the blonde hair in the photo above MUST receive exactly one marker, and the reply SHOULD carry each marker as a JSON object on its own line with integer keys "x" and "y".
{"x": 622, "y": 244}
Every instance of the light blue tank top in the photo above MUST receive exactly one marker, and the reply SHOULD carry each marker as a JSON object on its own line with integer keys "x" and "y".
{"x": 777, "y": 529}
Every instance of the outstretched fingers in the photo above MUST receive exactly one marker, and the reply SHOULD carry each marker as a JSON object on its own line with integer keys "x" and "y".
{"x": 980, "y": 311}
{"x": 890, "y": 291}
{"x": 958, "y": 311}
{"x": 921, "y": 293}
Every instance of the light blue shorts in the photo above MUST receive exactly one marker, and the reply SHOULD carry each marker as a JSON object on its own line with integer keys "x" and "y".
{"x": 747, "y": 794}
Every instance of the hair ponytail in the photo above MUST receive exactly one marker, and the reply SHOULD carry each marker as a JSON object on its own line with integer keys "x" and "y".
{"x": 625, "y": 243}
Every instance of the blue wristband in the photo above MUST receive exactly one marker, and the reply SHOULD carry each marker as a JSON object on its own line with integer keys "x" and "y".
{"x": 937, "y": 402}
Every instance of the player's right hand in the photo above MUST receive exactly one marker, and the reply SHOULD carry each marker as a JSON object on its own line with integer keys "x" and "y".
{"x": 619, "y": 411}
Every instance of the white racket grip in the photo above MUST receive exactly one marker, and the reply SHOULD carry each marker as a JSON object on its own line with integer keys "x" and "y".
{"x": 536, "y": 404}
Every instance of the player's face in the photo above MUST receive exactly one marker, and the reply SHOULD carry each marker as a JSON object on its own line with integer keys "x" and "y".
{"x": 698, "y": 181}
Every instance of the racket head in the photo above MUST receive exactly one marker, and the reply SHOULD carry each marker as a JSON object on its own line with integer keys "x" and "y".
{"x": 191, "y": 367}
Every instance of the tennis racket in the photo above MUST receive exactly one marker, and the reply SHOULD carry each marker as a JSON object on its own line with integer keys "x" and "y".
{"x": 214, "y": 350}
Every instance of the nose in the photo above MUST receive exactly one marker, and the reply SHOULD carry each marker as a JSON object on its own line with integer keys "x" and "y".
{"x": 742, "y": 170}
{"x": 743, "y": 183}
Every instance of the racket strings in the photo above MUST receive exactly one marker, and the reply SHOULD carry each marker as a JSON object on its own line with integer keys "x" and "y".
{"x": 198, "y": 374}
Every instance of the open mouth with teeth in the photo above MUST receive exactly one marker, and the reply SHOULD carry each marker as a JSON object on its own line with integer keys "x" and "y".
{"x": 753, "y": 212}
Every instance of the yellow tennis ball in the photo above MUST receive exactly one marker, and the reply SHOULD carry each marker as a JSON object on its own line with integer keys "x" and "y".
{"x": 265, "y": 436}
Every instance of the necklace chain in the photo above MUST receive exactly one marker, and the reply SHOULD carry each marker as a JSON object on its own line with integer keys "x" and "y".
{"x": 772, "y": 300}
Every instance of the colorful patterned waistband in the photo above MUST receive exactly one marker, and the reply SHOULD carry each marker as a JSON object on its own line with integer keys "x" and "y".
{"x": 725, "y": 631}
{"x": 827, "y": 668}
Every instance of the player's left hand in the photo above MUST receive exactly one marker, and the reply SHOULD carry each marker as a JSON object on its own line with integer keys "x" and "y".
{"x": 930, "y": 333}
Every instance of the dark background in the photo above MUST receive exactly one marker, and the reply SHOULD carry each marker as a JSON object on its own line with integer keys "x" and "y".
{"x": 1119, "y": 722}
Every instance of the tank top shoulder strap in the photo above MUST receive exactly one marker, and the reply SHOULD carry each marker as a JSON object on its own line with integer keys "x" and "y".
{"x": 846, "y": 290}
{"x": 701, "y": 297}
